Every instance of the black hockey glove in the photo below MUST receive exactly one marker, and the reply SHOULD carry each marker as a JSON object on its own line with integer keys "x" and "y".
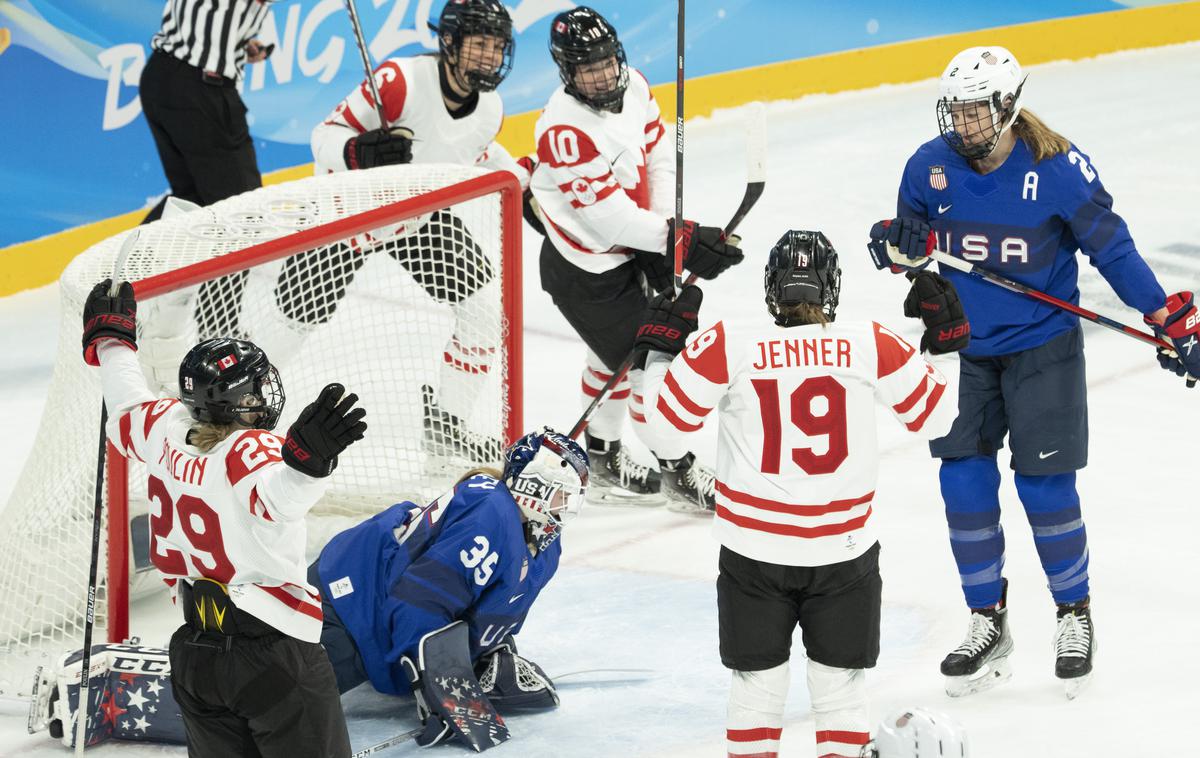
{"x": 933, "y": 299}
{"x": 108, "y": 316}
{"x": 657, "y": 269}
{"x": 667, "y": 323}
{"x": 513, "y": 682}
{"x": 379, "y": 147}
{"x": 325, "y": 428}
{"x": 529, "y": 204}
{"x": 901, "y": 244}
{"x": 706, "y": 252}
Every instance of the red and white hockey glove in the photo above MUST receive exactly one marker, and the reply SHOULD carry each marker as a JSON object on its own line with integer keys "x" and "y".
{"x": 1182, "y": 328}
{"x": 901, "y": 244}
{"x": 107, "y": 316}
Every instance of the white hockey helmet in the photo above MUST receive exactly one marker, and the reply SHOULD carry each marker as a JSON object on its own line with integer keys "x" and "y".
{"x": 980, "y": 99}
{"x": 920, "y": 733}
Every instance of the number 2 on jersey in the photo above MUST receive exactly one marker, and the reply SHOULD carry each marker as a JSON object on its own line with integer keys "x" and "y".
{"x": 830, "y": 424}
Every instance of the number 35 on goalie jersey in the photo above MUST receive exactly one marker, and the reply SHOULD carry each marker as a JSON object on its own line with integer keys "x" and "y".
{"x": 797, "y": 451}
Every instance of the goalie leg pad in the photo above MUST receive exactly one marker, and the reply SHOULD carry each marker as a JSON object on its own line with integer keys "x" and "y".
{"x": 513, "y": 682}
{"x": 754, "y": 723}
{"x": 839, "y": 705}
{"x": 449, "y": 699}
{"x": 129, "y": 696}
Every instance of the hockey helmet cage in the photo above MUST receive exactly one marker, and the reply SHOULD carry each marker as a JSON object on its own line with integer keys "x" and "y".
{"x": 227, "y": 381}
{"x": 980, "y": 98}
{"x": 920, "y": 733}
{"x": 466, "y": 18}
{"x": 547, "y": 475}
{"x": 580, "y": 41}
{"x": 802, "y": 268}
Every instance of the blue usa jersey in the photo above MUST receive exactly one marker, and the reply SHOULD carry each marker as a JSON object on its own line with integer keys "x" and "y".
{"x": 1025, "y": 221}
{"x": 411, "y": 569}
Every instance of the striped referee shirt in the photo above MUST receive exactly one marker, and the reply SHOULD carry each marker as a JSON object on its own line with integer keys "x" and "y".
{"x": 210, "y": 34}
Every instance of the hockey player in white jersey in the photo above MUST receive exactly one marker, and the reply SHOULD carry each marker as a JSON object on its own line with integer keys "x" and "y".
{"x": 605, "y": 186}
{"x": 439, "y": 108}
{"x": 797, "y": 461}
{"x": 227, "y": 531}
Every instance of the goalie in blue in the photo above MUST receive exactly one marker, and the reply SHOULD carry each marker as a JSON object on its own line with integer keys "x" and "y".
{"x": 481, "y": 554}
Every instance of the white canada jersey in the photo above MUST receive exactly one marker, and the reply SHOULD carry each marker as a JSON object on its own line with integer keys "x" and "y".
{"x": 412, "y": 98}
{"x": 234, "y": 514}
{"x": 797, "y": 454}
{"x": 605, "y": 181}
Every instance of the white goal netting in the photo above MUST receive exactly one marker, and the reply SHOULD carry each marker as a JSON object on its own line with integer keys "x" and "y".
{"x": 415, "y": 313}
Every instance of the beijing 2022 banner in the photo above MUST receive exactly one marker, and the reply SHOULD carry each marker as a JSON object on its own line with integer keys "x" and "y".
{"x": 76, "y": 148}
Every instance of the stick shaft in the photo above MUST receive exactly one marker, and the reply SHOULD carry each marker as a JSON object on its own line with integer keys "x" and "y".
{"x": 677, "y": 243}
{"x": 352, "y": 9}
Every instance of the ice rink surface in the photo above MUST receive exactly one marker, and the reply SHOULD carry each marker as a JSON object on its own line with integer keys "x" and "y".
{"x": 636, "y": 590}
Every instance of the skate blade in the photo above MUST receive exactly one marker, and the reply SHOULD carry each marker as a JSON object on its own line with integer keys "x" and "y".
{"x": 992, "y": 674}
{"x": 1074, "y": 687}
{"x": 690, "y": 509}
{"x": 621, "y": 498}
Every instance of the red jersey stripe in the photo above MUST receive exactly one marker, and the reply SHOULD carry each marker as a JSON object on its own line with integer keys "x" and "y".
{"x": 293, "y": 602}
{"x": 595, "y": 392}
{"x": 930, "y": 404}
{"x": 907, "y": 404}
{"x": 795, "y": 509}
{"x": 754, "y": 735}
{"x": 789, "y": 530}
{"x": 670, "y": 415}
{"x": 678, "y": 393}
{"x": 848, "y": 738}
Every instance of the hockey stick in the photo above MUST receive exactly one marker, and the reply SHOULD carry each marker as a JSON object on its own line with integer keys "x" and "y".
{"x": 756, "y": 180}
{"x": 389, "y": 742}
{"x": 352, "y": 9}
{"x": 1024, "y": 289}
{"x": 84, "y": 706}
{"x": 677, "y": 243}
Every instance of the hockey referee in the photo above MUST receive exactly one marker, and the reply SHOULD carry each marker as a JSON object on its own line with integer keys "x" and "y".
{"x": 189, "y": 95}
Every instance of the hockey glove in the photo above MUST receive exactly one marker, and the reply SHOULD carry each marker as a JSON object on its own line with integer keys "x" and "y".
{"x": 706, "y": 251}
{"x": 667, "y": 323}
{"x": 933, "y": 299}
{"x": 901, "y": 243}
{"x": 1182, "y": 328}
{"x": 379, "y": 147}
{"x": 325, "y": 428}
{"x": 513, "y": 682}
{"x": 108, "y": 316}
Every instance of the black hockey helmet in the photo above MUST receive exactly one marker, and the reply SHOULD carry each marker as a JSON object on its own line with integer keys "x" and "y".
{"x": 226, "y": 381}
{"x": 465, "y": 18}
{"x": 802, "y": 268}
{"x": 580, "y": 37}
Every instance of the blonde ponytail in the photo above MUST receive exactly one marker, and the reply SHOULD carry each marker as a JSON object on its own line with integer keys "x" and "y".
{"x": 207, "y": 436}
{"x": 1042, "y": 141}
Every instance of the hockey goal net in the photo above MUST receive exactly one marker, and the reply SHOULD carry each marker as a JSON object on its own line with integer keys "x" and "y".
{"x": 402, "y": 283}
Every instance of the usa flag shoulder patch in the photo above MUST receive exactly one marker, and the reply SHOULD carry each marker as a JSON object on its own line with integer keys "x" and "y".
{"x": 937, "y": 177}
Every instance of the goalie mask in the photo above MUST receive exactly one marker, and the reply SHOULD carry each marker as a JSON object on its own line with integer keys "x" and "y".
{"x": 547, "y": 474}
{"x": 228, "y": 381}
{"x": 980, "y": 100}
{"x": 475, "y": 38}
{"x": 802, "y": 269}
{"x": 919, "y": 733}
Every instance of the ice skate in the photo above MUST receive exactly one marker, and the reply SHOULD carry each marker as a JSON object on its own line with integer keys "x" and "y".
{"x": 617, "y": 479}
{"x": 1074, "y": 645}
{"x": 981, "y": 661}
{"x": 446, "y": 438}
{"x": 689, "y": 487}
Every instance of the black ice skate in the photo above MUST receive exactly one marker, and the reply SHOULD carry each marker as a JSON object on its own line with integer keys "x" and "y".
{"x": 689, "y": 486}
{"x": 617, "y": 479}
{"x": 1074, "y": 644}
{"x": 981, "y": 661}
{"x": 446, "y": 437}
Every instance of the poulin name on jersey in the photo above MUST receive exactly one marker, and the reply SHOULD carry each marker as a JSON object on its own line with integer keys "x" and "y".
{"x": 786, "y": 353}
{"x": 183, "y": 468}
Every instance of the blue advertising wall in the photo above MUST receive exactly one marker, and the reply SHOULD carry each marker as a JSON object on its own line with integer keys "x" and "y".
{"x": 76, "y": 149}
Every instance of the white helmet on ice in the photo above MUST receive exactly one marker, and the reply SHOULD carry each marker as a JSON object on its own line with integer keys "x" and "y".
{"x": 920, "y": 733}
{"x": 980, "y": 99}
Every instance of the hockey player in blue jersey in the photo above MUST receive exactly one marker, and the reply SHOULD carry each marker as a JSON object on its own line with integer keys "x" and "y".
{"x": 1000, "y": 189}
{"x": 481, "y": 553}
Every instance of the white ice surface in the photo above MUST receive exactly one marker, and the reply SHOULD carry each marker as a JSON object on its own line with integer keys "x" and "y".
{"x": 636, "y": 587}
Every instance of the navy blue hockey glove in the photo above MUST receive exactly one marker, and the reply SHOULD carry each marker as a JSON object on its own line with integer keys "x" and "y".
{"x": 322, "y": 430}
{"x": 379, "y": 147}
{"x": 1182, "y": 328}
{"x": 108, "y": 316}
{"x": 706, "y": 251}
{"x": 667, "y": 323}
{"x": 933, "y": 299}
{"x": 901, "y": 244}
